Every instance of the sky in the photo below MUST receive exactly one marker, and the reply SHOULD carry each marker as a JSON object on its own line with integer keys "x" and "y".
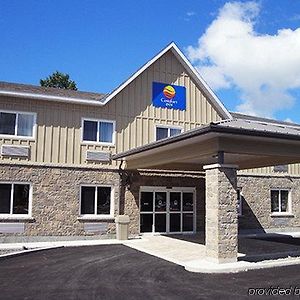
{"x": 247, "y": 51}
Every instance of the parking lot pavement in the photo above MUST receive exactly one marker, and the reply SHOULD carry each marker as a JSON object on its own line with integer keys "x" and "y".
{"x": 118, "y": 272}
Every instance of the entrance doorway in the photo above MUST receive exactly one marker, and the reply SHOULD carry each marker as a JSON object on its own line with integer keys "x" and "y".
{"x": 167, "y": 210}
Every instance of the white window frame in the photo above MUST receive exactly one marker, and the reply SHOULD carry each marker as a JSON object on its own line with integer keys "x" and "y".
{"x": 17, "y": 216}
{"x": 15, "y": 136}
{"x": 98, "y": 126}
{"x": 169, "y": 127}
{"x": 94, "y": 216}
{"x": 281, "y": 213}
{"x": 240, "y": 202}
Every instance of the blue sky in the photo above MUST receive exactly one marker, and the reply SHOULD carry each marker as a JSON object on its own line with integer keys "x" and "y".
{"x": 101, "y": 43}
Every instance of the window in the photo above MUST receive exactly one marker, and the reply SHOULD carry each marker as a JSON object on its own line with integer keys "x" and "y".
{"x": 163, "y": 132}
{"x": 280, "y": 201}
{"x": 240, "y": 202}
{"x": 99, "y": 131}
{"x": 17, "y": 124}
{"x": 96, "y": 201}
{"x": 14, "y": 199}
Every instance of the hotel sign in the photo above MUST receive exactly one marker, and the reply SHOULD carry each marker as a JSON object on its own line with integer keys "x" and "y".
{"x": 168, "y": 96}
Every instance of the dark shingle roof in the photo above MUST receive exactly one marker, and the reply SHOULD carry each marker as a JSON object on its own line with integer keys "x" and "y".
{"x": 259, "y": 126}
{"x": 33, "y": 89}
{"x": 262, "y": 120}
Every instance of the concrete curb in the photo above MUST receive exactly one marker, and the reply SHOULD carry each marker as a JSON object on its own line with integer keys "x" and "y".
{"x": 23, "y": 252}
{"x": 8, "y": 246}
{"x": 272, "y": 256}
{"x": 204, "y": 266}
{"x": 42, "y": 246}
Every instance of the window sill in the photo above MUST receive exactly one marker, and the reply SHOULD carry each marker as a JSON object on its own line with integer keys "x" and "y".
{"x": 282, "y": 215}
{"x": 17, "y": 137}
{"x": 16, "y": 218}
{"x": 98, "y": 143}
{"x": 96, "y": 218}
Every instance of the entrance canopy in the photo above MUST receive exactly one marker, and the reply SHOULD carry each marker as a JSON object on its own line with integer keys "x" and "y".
{"x": 247, "y": 143}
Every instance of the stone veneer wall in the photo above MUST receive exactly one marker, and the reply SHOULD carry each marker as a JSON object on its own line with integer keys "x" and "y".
{"x": 257, "y": 214}
{"x": 131, "y": 205}
{"x": 55, "y": 198}
{"x": 56, "y": 191}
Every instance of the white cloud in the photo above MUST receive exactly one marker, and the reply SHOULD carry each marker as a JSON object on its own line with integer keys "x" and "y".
{"x": 295, "y": 17}
{"x": 231, "y": 54}
{"x": 190, "y": 13}
{"x": 289, "y": 120}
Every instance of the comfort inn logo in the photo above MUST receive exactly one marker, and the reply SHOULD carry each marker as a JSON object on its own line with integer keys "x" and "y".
{"x": 169, "y": 92}
{"x": 168, "y": 96}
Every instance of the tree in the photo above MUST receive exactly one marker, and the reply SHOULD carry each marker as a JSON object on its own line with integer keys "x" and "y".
{"x": 59, "y": 80}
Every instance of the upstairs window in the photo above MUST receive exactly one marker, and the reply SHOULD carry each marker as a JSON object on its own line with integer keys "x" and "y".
{"x": 163, "y": 132}
{"x": 96, "y": 201}
{"x": 17, "y": 124}
{"x": 99, "y": 131}
{"x": 14, "y": 199}
{"x": 280, "y": 201}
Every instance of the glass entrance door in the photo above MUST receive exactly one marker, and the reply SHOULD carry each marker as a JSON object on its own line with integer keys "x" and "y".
{"x": 165, "y": 211}
{"x": 160, "y": 212}
{"x": 175, "y": 212}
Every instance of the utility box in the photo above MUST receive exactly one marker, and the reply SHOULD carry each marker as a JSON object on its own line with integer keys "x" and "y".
{"x": 122, "y": 223}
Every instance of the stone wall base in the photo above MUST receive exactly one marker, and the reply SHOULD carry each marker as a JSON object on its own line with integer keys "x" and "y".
{"x": 56, "y": 194}
{"x": 56, "y": 200}
{"x": 256, "y": 212}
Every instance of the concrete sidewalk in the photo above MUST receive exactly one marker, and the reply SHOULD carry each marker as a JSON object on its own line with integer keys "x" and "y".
{"x": 192, "y": 256}
{"x": 170, "y": 249}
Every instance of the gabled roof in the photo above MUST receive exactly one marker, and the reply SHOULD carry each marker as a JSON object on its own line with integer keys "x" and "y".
{"x": 87, "y": 98}
{"x": 216, "y": 103}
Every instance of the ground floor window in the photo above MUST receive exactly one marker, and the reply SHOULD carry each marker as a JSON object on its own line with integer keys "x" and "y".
{"x": 15, "y": 199}
{"x": 280, "y": 201}
{"x": 167, "y": 211}
{"x": 96, "y": 201}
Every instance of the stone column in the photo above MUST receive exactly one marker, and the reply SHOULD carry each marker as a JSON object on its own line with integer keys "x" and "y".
{"x": 221, "y": 230}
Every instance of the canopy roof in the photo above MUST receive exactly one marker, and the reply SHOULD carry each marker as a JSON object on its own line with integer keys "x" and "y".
{"x": 247, "y": 142}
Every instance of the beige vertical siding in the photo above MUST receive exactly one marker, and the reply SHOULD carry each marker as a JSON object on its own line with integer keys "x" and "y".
{"x": 293, "y": 170}
{"x": 58, "y": 132}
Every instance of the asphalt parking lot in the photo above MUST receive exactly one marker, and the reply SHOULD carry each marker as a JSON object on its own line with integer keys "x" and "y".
{"x": 119, "y": 272}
